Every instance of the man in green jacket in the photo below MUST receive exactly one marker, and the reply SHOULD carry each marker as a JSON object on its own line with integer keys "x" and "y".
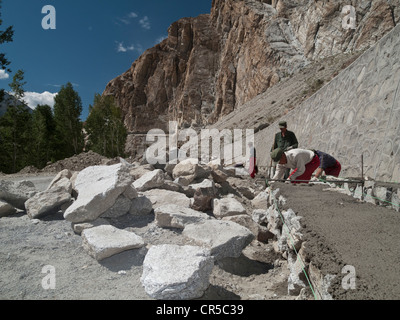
{"x": 285, "y": 140}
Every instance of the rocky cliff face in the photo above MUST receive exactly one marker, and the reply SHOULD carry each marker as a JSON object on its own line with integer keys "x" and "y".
{"x": 211, "y": 64}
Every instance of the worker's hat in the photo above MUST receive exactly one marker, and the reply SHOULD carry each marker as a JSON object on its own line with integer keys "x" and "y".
{"x": 283, "y": 124}
{"x": 276, "y": 155}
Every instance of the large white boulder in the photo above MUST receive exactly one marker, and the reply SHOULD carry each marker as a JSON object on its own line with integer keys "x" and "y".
{"x": 141, "y": 206}
{"x": 226, "y": 207}
{"x": 49, "y": 201}
{"x": 187, "y": 167}
{"x": 160, "y": 197}
{"x": 6, "y": 209}
{"x": 150, "y": 180}
{"x": 261, "y": 201}
{"x": 79, "y": 227}
{"x": 17, "y": 193}
{"x": 98, "y": 188}
{"x": 105, "y": 241}
{"x": 61, "y": 175}
{"x": 172, "y": 272}
{"x": 120, "y": 208}
{"x": 190, "y": 170}
{"x": 206, "y": 184}
{"x": 174, "y": 216}
{"x": 223, "y": 238}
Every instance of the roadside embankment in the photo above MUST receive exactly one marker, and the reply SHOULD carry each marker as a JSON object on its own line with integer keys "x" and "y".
{"x": 337, "y": 246}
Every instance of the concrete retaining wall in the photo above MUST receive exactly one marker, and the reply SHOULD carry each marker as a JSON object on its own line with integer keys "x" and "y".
{"x": 357, "y": 113}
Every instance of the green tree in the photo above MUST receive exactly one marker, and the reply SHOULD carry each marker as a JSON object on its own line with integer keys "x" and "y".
{"x": 17, "y": 85}
{"x": 43, "y": 129}
{"x": 5, "y": 36}
{"x": 15, "y": 130}
{"x": 105, "y": 128}
{"x": 16, "y": 137}
{"x": 67, "y": 112}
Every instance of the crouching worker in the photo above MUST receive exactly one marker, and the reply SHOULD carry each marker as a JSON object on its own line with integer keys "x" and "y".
{"x": 329, "y": 164}
{"x": 302, "y": 162}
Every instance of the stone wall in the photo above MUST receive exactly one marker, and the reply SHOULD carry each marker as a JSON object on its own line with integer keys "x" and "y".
{"x": 357, "y": 113}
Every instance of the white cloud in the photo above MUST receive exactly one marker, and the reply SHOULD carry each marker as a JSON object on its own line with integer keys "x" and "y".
{"x": 33, "y": 99}
{"x": 127, "y": 19}
{"x": 123, "y": 20}
{"x": 132, "y": 15}
{"x": 160, "y": 39}
{"x": 122, "y": 48}
{"x": 4, "y": 75}
{"x": 145, "y": 23}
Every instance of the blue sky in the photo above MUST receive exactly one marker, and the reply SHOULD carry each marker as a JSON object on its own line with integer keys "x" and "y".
{"x": 94, "y": 41}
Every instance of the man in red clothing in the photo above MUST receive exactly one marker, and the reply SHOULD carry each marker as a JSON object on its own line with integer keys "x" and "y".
{"x": 303, "y": 162}
{"x": 329, "y": 164}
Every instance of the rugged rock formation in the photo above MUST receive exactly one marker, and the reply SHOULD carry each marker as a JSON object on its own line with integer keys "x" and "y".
{"x": 211, "y": 64}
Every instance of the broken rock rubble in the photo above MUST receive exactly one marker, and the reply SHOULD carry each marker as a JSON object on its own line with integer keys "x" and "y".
{"x": 94, "y": 197}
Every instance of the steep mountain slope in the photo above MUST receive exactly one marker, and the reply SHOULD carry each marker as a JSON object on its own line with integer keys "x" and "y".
{"x": 211, "y": 65}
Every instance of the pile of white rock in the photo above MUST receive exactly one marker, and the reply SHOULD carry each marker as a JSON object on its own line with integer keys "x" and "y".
{"x": 204, "y": 201}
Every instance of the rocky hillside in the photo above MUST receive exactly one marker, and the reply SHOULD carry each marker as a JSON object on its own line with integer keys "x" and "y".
{"x": 212, "y": 64}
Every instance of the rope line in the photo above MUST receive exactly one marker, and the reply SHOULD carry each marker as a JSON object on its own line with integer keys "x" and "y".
{"x": 294, "y": 248}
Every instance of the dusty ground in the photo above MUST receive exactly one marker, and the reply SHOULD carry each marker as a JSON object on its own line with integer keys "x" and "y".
{"x": 29, "y": 245}
{"x": 342, "y": 231}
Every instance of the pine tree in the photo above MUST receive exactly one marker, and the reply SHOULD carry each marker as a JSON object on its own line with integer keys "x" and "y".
{"x": 17, "y": 85}
{"x": 43, "y": 129}
{"x": 5, "y": 36}
{"x": 15, "y": 132}
{"x": 104, "y": 125}
{"x": 67, "y": 112}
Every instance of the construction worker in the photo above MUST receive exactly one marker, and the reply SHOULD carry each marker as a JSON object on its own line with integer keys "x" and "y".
{"x": 302, "y": 162}
{"x": 329, "y": 164}
{"x": 285, "y": 140}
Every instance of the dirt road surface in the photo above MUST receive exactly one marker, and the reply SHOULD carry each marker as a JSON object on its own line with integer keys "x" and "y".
{"x": 340, "y": 231}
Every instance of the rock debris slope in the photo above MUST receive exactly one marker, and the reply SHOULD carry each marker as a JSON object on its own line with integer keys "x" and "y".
{"x": 93, "y": 198}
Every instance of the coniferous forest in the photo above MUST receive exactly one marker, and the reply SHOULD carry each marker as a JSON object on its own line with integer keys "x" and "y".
{"x": 43, "y": 135}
